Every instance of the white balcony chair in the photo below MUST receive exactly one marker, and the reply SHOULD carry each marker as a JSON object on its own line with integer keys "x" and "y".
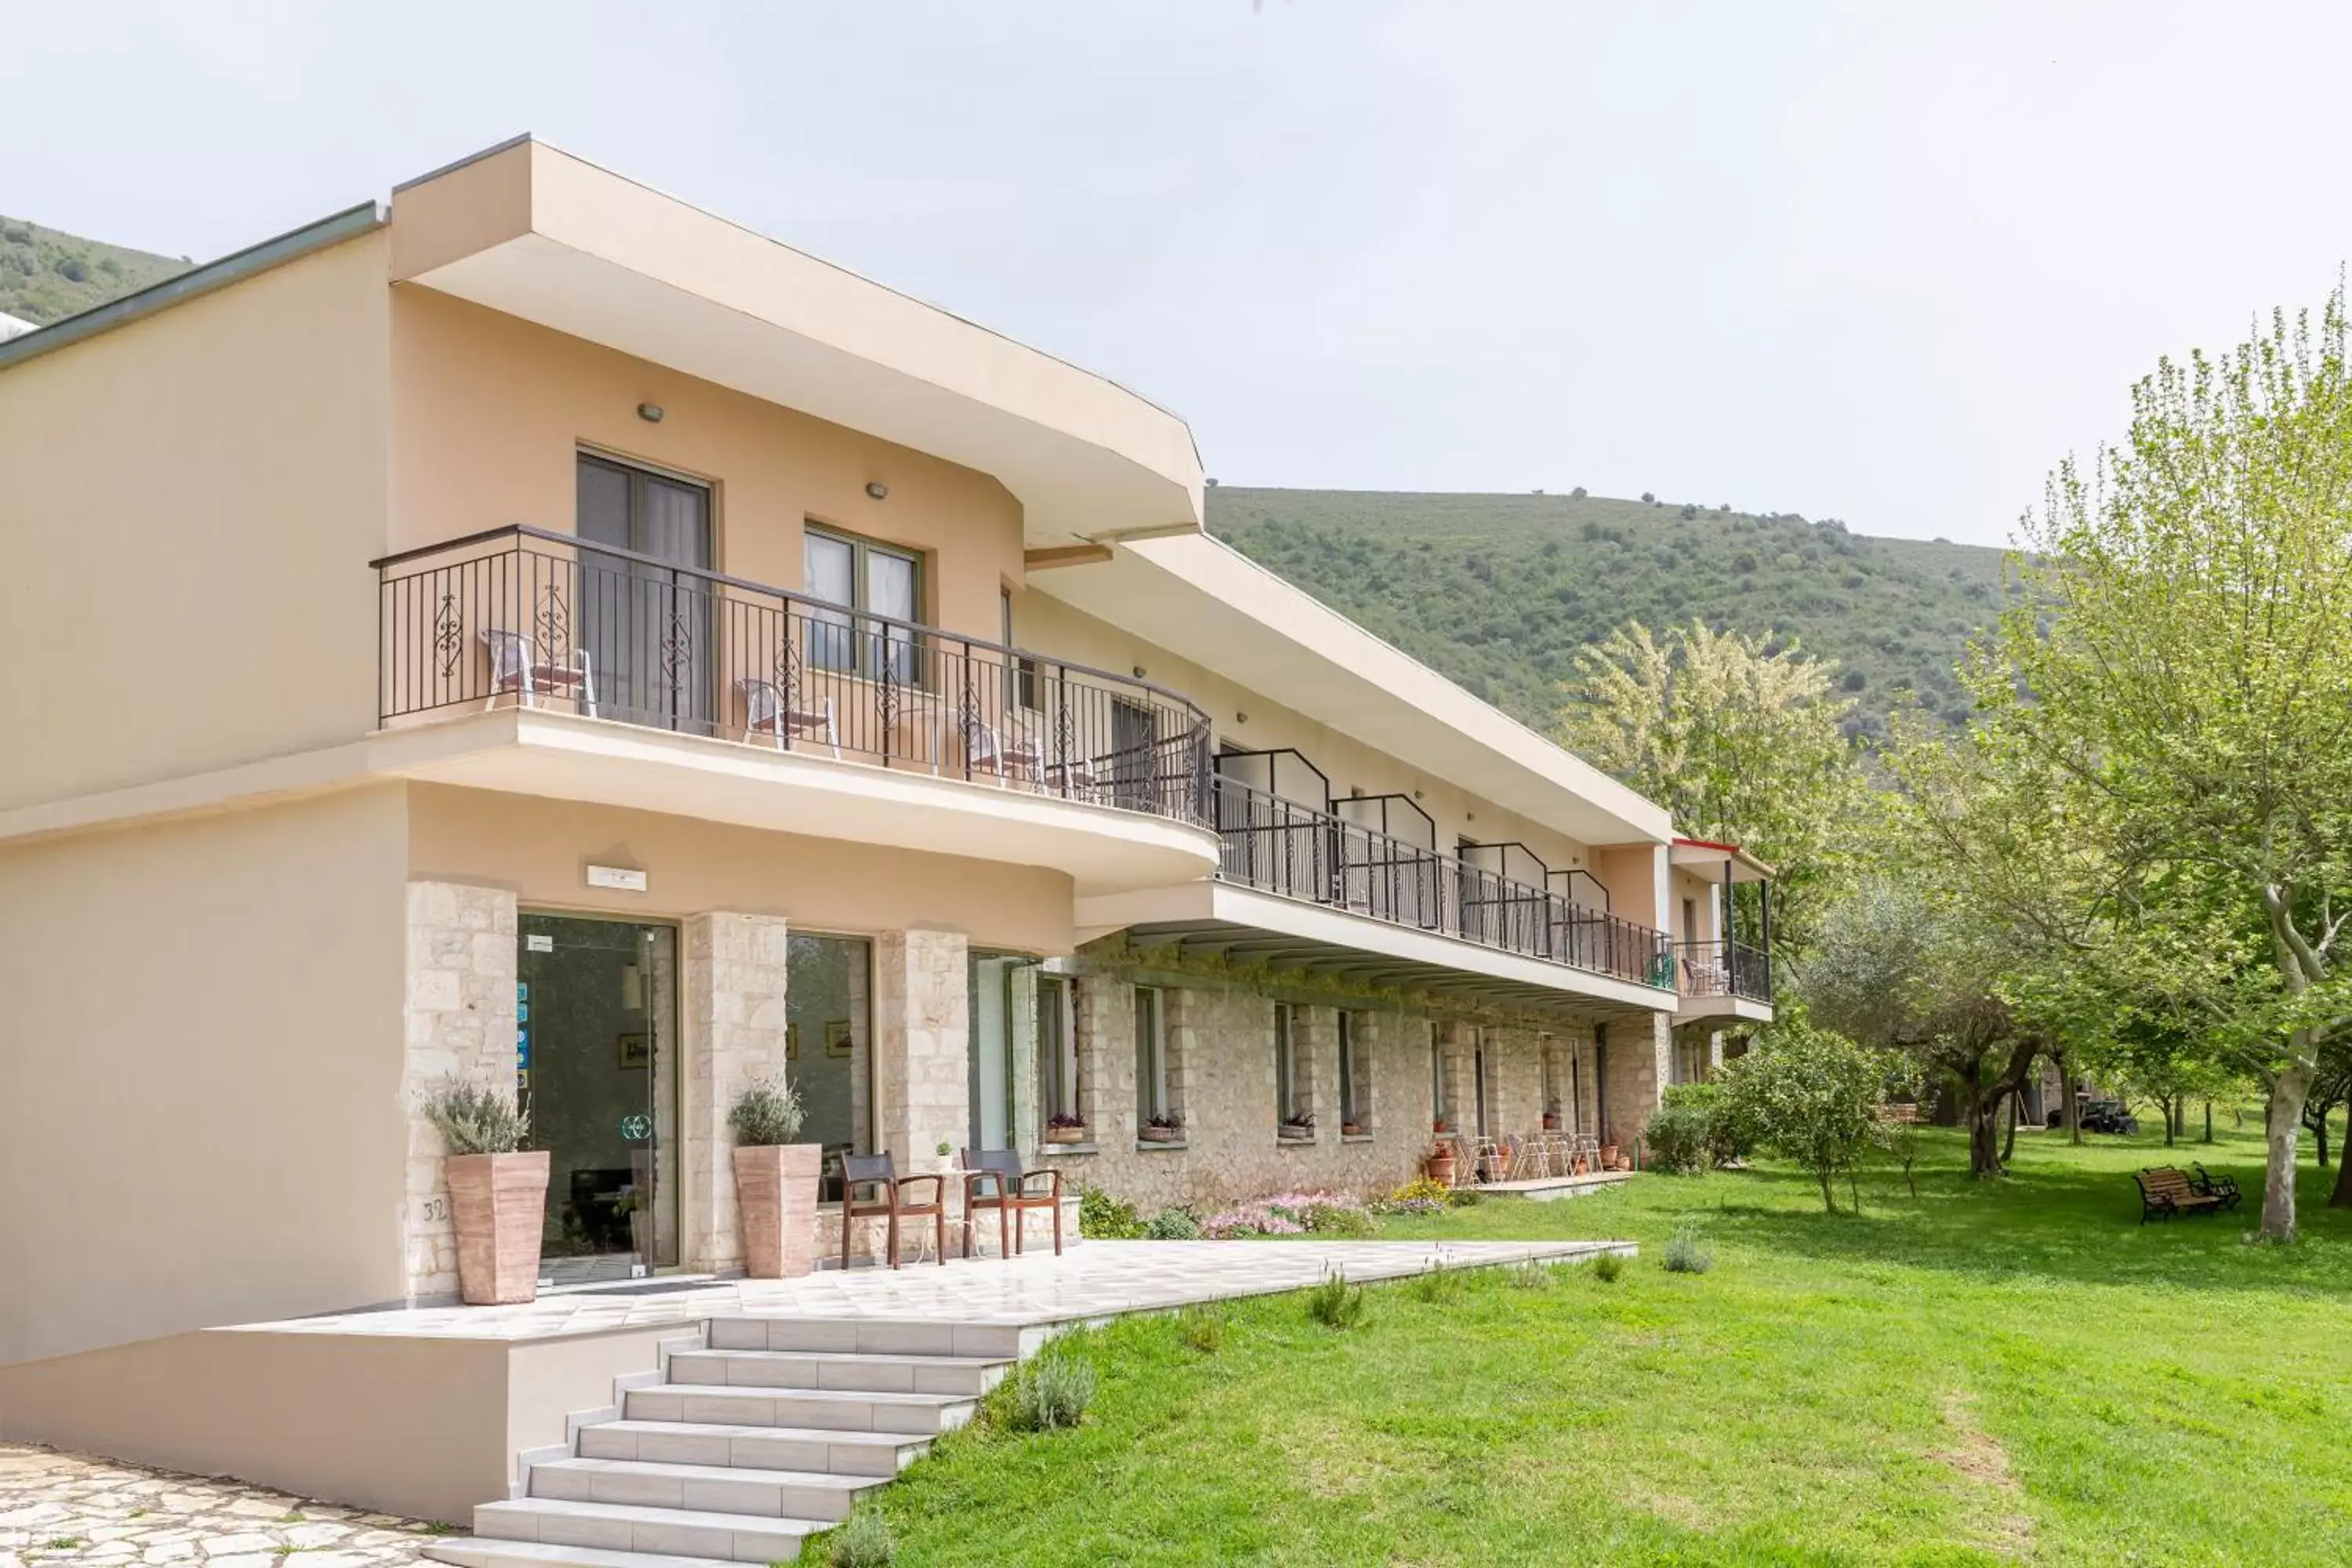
{"x": 767, "y": 710}
{"x": 986, "y": 751}
{"x": 516, "y": 668}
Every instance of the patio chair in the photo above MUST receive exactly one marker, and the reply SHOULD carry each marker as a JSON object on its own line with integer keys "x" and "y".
{"x": 881, "y": 1173}
{"x": 1012, "y": 1197}
{"x": 517, "y": 667}
{"x": 985, "y": 750}
{"x": 769, "y": 710}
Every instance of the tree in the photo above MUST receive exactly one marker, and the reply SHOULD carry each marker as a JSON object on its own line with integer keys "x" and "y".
{"x": 1737, "y": 743}
{"x": 2184, "y": 651}
{"x": 1809, "y": 1094}
{"x": 2329, "y": 1091}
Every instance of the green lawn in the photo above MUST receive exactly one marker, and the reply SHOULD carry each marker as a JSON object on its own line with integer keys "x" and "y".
{"x": 1991, "y": 1372}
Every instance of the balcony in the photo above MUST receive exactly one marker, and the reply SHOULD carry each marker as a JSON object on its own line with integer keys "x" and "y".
{"x": 1713, "y": 968}
{"x": 1275, "y": 845}
{"x": 796, "y": 713}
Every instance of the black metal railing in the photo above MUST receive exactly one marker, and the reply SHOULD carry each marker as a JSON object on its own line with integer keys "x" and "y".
{"x": 1280, "y": 845}
{"x": 519, "y": 615}
{"x": 1724, "y": 969}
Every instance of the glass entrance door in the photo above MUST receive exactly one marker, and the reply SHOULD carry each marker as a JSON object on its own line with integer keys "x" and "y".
{"x": 596, "y": 1068}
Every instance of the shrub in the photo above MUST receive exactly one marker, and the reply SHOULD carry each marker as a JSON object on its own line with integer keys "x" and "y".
{"x": 1650, "y": 497}
{"x": 862, "y": 1540}
{"x": 1677, "y": 1140}
{"x": 1340, "y": 1219}
{"x": 1608, "y": 1267}
{"x": 1174, "y": 1225}
{"x": 1285, "y": 1214}
{"x": 1532, "y": 1274}
{"x": 1201, "y": 1329}
{"x": 1103, "y": 1217}
{"x": 767, "y": 1113}
{"x": 1053, "y": 1392}
{"x": 1438, "y": 1288}
{"x": 1464, "y": 1198}
{"x": 474, "y": 1120}
{"x": 1335, "y": 1303}
{"x": 1686, "y": 1253}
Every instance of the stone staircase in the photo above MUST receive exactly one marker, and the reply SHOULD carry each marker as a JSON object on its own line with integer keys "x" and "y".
{"x": 749, "y": 1441}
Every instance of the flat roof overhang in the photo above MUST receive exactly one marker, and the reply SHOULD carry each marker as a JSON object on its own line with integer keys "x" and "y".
{"x": 1720, "y": 1009}
{"x": 534, "y": 233}
{"x": 1697, "y": 852}
{"x": 1287, "y": 933}
{"x": 1206, "y": 602}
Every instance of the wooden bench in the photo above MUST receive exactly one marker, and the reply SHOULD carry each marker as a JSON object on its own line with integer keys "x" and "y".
{"x": 2224, "y": 1189}
{"x": 1902, "y": 1114}
{"x": 2166, "y": 1192}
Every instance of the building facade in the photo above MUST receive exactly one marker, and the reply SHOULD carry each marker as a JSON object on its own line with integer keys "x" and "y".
{"x": 542, "y": 634}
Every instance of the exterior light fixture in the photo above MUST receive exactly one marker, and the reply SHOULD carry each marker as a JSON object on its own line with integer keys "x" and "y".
{"x": 1139, "y": 672}
{"x": 651, "y": 413}
{"x": 878, "y": 490}
{"x": 1241, "y": 718}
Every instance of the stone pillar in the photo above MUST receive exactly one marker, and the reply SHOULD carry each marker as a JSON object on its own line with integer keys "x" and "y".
{"x": 1105, "y": 1021}
{"x": 1184, "y": 1024}
{"x": 923, "y": 1044}
{"x": 457, "y": 1022}
{"x": 1315, "y": 1048}
{"x": 734, "y": 976}
{"x": 1455, "y": 1045}
{"x": 1402, "y": 1110}
{"x": 1021, "y": 1025}
{"x": 1641, "y": 1063}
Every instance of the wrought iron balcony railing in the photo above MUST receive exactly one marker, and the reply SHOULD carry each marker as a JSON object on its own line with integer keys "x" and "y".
{"x": 524, "y": 616}
{"x": 1278, "y": 845}
{"x": 1724, "y": 969}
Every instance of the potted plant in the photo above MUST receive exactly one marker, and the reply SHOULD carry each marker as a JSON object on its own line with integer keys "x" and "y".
{"x": 1440, "y": 1164}
{"x": 1351, "y": 1129}
{"x": 1551, "y": 1118}
{"x": 775, "y": 1181}
{"x": 1298, "y": 1128}
{"x": 1162, "y": 1129}
{"x": 1440, "y": 1128}
{"x": 1609, "y": 1150}
{"x": 497, "y": 1192}
{"x": 1066, "y": 1127}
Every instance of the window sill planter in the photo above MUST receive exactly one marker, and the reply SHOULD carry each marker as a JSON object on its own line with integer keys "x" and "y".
{"x": 1150, "y": 1134}
{"x": 1066, "y": 1135}
{"x": 1351, "y": 1130}
{"x": 497, "y": 1207}
{"x": 775, "y": 1203}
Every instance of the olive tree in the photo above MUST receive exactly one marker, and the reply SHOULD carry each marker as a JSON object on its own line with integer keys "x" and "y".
{"x": 1809, "y": 1094}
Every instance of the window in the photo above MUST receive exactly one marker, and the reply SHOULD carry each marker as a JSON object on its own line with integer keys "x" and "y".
{"x": 1437, "y": 1086}
{"x": 1353, "y": 1101}
{"x": 1151, "y": 1056}
{"x": 1057, "y": 1047}
{"x": 859, "y": 575}
{"x": 828, "y": 1027}
{"x": 1690, "y": 920}
{"x": 1021, "y": 675}
{"x": 1288, "y": 1100}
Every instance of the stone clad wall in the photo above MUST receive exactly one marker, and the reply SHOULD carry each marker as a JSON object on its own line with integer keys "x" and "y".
{"x": 1641, "y": 1063}
{"x": 922, "y": 1027}
{"x": 458, "y": 1022}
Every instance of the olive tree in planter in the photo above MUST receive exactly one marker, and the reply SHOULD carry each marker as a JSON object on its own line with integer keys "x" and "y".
{"x": 497, "y": 1192}
{"x": 775, "y": 1181}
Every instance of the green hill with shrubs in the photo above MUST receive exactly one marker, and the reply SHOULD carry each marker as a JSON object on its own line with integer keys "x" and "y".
{"x": 1499, "y": 591}
{"x": 46, "y": 275}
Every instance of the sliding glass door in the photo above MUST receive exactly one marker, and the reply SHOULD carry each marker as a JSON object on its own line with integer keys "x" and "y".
{"x": 647, "y": 626}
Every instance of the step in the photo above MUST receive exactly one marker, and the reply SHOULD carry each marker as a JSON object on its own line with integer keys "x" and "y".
{"x": 701, "y": 1489}
{"x": 665, "y": 1532}
{"x": 840, "y": 1453}
{"x": 840, "y": 1410}
{"x": 479, "y": 1551}
{"x": 871, "y": 1336}
{"x": 847, "y": 1370}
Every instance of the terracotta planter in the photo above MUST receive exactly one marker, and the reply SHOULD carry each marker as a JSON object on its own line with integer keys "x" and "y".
{"x": 775, "y": 1208}
{"x": 1162, "y": 1134}
{"x": 1609, "y": 1156}
{"x": 1550, "y": 1123}
{"x": 1351, "y": 1130}
{"x": 498, "y": 1205}
{"x": 1439, "y": 1168}
{"x": 1066, "y": 1134}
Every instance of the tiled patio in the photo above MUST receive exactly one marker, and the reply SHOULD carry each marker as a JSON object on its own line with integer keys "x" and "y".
{"x": 1097, "y": 1279}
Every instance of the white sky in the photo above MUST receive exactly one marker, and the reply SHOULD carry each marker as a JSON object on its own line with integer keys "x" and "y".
{"x": 1879, "y": 261}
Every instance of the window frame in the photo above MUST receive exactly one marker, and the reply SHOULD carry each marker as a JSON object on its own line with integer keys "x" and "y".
{"x": 1285, "y": 1063}
{"x": 1151, "y": 1096}
{"x": 865, "y": 661}
{"x": 1020, "y": 674}
{"x": 1351, "y": 1067}
{"x": 1058, "y": 1089}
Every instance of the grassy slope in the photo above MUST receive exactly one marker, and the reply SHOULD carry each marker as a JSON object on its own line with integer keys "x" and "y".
{"x": 46, "y": 275}
{"x": 2014, "y": 1371}
{"x": 1499, "y": 591}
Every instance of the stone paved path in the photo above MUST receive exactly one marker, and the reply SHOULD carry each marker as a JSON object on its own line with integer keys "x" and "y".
{"x": 62, "y": 1508}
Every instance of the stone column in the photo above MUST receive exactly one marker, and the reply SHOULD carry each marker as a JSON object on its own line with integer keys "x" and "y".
{"x": 1461, "y": 1075}
{"x": 1641, "y": 1063}
{"x": 457, "y": 1022}
{"x": 923, "y": 1044}
{"x": 1106, "y": 1026}
{"x": 735, "y": 1029}
{"x": 1316, "y": 1050}
{"x": 1021, "y": 1027}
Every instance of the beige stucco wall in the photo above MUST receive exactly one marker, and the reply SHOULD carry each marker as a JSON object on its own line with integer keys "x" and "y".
{"x": 539, "y": 849}
{"x": 201, "y": 1071}
{"x": 1051, "y": 626}
{"x": 489, "y": 413}
{"x": 190, "y": 504}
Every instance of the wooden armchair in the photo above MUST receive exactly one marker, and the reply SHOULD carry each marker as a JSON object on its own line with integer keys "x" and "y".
{"x": 1012, "y": 1197}
{"x": 881, "y": 1173}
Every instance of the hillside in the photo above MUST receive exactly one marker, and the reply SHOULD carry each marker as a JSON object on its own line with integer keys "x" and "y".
{"x": 46, "y": 275}
{"x": 1499, "y": 591}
